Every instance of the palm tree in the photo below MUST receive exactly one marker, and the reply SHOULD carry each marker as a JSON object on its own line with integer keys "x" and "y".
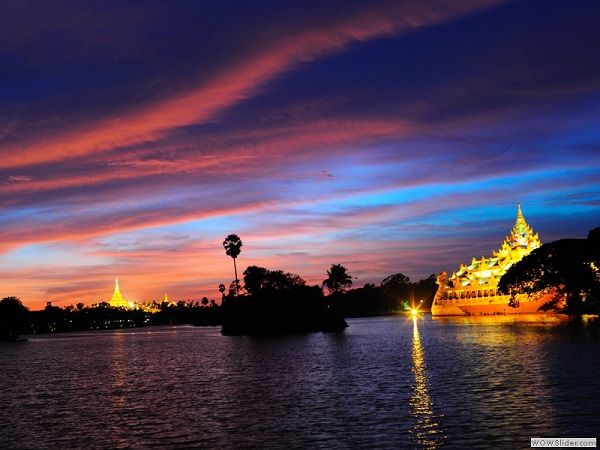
{"x": 232, "y": 245}
{"x": 338, "y": 278}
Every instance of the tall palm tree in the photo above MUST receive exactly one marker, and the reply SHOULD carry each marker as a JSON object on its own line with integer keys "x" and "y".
{"x": 232, "y": 245}
{"x": 338, "y": 278}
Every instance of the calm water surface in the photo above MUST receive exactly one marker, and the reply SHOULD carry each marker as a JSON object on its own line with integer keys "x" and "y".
{"x": 383, "y": 383}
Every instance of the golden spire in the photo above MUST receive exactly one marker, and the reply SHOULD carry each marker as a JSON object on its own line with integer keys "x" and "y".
{"x": 117, "y": 300}
{"x": 520, "y": 225}
{"x": 522, "y": 239}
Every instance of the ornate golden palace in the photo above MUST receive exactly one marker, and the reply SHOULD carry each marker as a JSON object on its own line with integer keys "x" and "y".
{"x": 472, "y": 288}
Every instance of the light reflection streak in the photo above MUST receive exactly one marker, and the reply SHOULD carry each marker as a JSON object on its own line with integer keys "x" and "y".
{"x": 426, "y": 430}
{"x": 119, "y": 375}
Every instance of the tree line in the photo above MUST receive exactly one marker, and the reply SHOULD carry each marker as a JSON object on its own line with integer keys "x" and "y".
{"x": 269, "y": 301}
{"x": 16, "y": 319}
{"x": 275, "y": 301}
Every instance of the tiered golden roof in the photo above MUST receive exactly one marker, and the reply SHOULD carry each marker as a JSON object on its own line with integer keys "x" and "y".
{"x": 481, "y": 276}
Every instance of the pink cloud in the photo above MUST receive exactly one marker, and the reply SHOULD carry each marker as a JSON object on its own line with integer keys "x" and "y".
{"x": 19, "y": 178}
{"x": 238, "y": 82}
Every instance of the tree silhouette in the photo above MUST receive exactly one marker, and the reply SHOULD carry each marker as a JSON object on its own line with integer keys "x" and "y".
{"x": 257, "y": 279}
{"x": 567, "y": 268}
{"x": 232, "y": 245}
{"x": 396, "y": 279}
{"x": 337, "y": 279}
{"x": 13, "y": 318}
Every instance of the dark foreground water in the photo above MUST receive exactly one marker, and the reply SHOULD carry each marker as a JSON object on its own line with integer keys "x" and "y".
{"x": 383, "y": 383}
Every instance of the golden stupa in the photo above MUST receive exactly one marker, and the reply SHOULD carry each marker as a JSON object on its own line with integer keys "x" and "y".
{"x": 117, "y": 300}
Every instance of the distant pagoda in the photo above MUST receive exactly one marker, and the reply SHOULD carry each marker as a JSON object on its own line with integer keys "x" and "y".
{"x": 117, "y": 300}
{"x": 472, "y": 289}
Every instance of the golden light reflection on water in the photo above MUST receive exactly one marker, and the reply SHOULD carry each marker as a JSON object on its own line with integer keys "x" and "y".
{"x": 121, "y": 396}
{"x": 119, "y": 375}
{"x": 426, "y": 430}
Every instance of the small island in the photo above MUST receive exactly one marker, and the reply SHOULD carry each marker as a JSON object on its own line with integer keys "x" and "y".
{"x": 275, "y": 303}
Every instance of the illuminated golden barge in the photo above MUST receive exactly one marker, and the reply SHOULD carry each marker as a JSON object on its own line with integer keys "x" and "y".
{"x": 472, "y": 289}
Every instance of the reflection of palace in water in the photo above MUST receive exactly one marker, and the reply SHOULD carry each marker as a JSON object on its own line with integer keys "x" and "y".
{"x": 472, "y": 289}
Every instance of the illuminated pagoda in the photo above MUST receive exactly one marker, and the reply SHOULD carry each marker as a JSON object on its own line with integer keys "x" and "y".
{"x": 117, "y": 300}
{"x": 472, "y": 288}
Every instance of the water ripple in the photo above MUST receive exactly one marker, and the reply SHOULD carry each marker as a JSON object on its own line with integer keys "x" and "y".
{"x": 383, "y": 383}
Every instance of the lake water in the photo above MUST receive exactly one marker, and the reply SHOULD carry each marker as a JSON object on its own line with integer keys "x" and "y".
{"x": 487, "y": 382}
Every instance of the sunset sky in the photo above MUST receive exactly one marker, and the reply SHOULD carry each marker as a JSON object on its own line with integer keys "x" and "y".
{"x": 386, "y": 136}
